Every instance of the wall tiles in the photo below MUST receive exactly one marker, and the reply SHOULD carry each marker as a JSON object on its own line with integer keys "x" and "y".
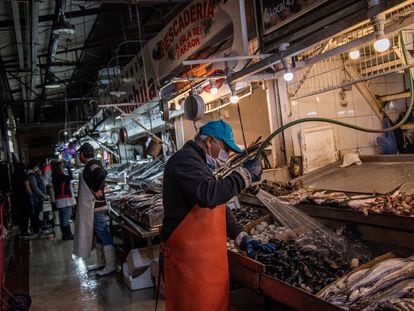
{"x": 326, "y": 105}
{"x": 362, "y": 108}
{"x": 365, "y": 139}
{"x": 347, "y": 137}
{"x": 376, "y": 123}
{"x": 307, "y": 107}
{"x": 343, "y": 111}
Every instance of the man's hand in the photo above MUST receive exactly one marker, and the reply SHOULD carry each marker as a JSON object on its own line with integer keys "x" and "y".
{"x": 251, "y": 244}
{"x": 98, "y": 193}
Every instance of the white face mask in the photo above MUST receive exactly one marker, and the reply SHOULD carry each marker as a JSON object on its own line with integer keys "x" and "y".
{"x": 222, "y": 157}
{"x": 215, "y": 163}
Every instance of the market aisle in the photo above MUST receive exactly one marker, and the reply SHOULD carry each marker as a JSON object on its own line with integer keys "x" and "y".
{"x": 59, "y": 281}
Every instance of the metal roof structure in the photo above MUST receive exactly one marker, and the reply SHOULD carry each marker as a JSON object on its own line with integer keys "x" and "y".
{"x": 31, "y": 55}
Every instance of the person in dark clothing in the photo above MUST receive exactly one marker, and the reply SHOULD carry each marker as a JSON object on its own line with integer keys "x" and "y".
{"x": 34, "y": 174}
{"x": 94, "y": 176}
{"x": 20, "y": 199}
{"x": 63, "y": 197}
{"x": 196, "y": 220}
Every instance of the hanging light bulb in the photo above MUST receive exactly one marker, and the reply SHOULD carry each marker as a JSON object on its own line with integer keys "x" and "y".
{"x": 381, "y": 43}
{"x": 288, "y": 75}
{"x": 213, "y": 89}
{"x": 354, "y": 54}
{"x": 234, "y": 99}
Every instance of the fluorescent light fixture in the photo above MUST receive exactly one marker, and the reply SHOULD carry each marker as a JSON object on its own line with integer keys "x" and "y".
{"x": 354, "y": 54}
{"x": 62, "y": 26}
{"x": 52, "y": 82}
{"x": 117, "y": 93}
{"x": 46, "y": 105}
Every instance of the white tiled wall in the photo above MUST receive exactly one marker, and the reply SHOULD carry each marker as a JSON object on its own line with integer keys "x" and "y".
{"x": 357, "y": 112}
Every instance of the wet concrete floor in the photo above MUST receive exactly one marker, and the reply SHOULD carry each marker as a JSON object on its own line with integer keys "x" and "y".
{"x": 56, "y": 280}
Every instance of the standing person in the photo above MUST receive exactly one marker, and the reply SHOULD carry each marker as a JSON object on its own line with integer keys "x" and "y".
{"x": 196, "y": 221}
{"x": 37, "y": 186}
{"x": 63, "y": 197}
{"x": 91, "y": 214}
{"x": 20, "y": 195}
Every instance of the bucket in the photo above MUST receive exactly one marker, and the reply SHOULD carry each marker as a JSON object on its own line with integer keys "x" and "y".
{"x": 154, "y": 147}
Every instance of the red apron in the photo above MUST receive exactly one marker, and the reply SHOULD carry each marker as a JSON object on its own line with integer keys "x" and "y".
{"x": 195, "y": 262}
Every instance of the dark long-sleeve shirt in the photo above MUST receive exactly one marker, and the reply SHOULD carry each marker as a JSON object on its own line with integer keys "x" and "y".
{"x": 187, "y": 182}
{"x": 94, "y": 175}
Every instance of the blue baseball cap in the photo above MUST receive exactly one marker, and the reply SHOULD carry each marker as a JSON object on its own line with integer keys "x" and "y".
{"x": 221, "y": 130}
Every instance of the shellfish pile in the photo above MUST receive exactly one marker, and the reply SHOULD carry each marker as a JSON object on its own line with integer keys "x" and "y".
{"x": 310, "y": 260}
{"x": 246, "y": 214}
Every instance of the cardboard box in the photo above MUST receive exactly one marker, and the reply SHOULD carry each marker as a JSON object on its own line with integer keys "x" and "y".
{"x": 137, "y": 261}
{"x": 140, "y": 282}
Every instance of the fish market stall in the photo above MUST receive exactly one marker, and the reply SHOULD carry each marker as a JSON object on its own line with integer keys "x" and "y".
{"x": 376, "y": 197}
{"x": 384, "y": 229}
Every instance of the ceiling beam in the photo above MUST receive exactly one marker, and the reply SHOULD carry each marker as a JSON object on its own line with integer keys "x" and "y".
{"x": 18, "y": 33}
{"x": 69, "y": 15}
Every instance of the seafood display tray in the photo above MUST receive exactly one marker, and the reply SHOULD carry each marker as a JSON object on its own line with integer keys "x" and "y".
{"x": 391, "y": 221}
{"x": 377, "y": 174}
{"x": 251, "y": 274}
{"x": 389, "y": 232}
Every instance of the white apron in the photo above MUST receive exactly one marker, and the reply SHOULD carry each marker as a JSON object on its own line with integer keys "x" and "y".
{"x": 82, "y": 244}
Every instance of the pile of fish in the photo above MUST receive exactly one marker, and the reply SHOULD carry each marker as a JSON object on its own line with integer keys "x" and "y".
{"x": 145, "y": 174}
{"x": 396, "y": 203}
{"x": 279, "y": 188}
{"x": 333, "y": 199}
{"x": 146, "y": 209}
{"x": 388, "y": 285}
{"x": 309, "y": 260}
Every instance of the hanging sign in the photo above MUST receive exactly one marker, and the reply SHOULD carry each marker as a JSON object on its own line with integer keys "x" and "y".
{"x": 200, "y": 24}
{"x": 276, "y": 13}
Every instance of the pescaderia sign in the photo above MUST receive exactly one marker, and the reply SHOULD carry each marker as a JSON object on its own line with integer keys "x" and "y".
{"x": 201, "y": 23}
{"x": 276, "y": 13}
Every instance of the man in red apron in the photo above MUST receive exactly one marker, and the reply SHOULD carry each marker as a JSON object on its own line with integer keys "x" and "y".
{"x": 196, "y": 221}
